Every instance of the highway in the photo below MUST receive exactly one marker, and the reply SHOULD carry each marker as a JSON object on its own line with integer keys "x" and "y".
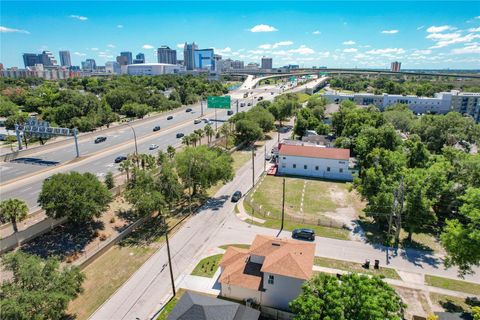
{"x": 24, "y": 181}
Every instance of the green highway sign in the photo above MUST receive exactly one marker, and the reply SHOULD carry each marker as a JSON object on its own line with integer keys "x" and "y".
{"x": 218, "y": 102}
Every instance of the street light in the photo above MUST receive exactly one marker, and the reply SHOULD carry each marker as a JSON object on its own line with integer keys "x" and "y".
{"x": 134, "y": 137}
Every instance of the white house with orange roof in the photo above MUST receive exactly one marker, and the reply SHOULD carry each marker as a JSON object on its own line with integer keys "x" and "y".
{"x": 315, "y": 161}
{"x": 271, "y": 272}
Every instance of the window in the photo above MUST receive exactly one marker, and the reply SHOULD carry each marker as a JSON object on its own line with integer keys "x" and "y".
{"x": 341, "y": 170}
{"x": 305, "y": 167}
{"x": 284, "y": 158}
{"x": 270, "y": 279}
{"x": 316, "y": 168}
{"x": 328, "y": 168}
{"x": 294, "y": 166}
{"x": 283, "y": 165}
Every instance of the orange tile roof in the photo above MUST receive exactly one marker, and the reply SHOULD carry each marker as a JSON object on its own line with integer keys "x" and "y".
{"x": 291, "y": 258}
{"x": 314, "y": 152}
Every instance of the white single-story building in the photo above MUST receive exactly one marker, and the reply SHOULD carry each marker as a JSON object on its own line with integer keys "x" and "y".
{"x": 153, "y": 69}
{"x": 270, "y": 273}
{"x": 315, "y": 161}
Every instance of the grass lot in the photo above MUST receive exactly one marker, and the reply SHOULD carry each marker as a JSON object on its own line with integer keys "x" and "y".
{"x": 452, "y": 304}
{"x": 207, "y": 267}
{"x": 303, "y": 97}
{"x": 452, "y": 284}
{"x": 355, "y": 267}
{"x": 321, "y": 231}
{"x": 242, "y": 246}
{"x": 170, "y": 305}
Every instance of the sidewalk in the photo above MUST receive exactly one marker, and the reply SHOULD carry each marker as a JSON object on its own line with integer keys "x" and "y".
{"x": 243, "y": 215}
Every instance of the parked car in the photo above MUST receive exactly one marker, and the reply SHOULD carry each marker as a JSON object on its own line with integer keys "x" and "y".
{"x": 156, "y": 128}
{"x": 236, "y": 196}
{"x": 188, "y": 110}
{"x": 268, "y": 156}
{"x": 120, "y": 159}
{"x": 169, "y": 117}
{"x": 197, "y": 121}
{"x": 306, "y": 234}
{"x": 229, "y": 112}
{"x": 100, "y": 139}
{"x": 242, "y": 104}
{"x": 180, "y": 135}
{"x": 153, "y": 146}
{"x": 249, "y": 104}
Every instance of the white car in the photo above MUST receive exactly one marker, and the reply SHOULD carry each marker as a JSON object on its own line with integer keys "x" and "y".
{"x": 153, "y": 146}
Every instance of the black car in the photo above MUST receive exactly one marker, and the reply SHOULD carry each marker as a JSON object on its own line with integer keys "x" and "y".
{"x": 169, "y": 117}
{"x": 179, "y": 135}
{"x": 100, "y": 139}
{"x": 306, "y": 234}
{"x": 236, "y": 196}
{"x": 229, "y": 112}
{"x": 188, "y": 110}
{"x": 156, "y": 128}
{"x": 120, "y": 159}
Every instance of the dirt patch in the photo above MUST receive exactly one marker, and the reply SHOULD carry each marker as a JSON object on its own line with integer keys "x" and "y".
{"x": 417, "y": 302}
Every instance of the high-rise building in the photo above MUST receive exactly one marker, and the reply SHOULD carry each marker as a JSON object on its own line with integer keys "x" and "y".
{"x": 112, "y": 67}
{"x": 122, "y": 60}
{"x": 89, "y": 65}
{"x": 204, "y": 59}
{"x": 48, "y": 59}
{"x": 267, "y": 63}
{"x": 31, "y": 59}
{"x": 237, "y": 64}
{"x": 166, "y": 55}
{"x": 139, "y": 58}
{"x": 65, "y": 58}
{"x": 127, "y": 54}
{"x": 395, "y": 66}
{"x": 189, "y": 55}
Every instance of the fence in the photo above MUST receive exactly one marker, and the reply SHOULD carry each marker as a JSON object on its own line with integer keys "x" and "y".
{"x": 271, "y": 313}
{"x": 319, "y": 221}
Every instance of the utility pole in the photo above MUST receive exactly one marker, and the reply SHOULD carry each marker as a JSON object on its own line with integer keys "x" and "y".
{"x": 201, "y": 107}
{"x": 76, "y": 141}
{"x": 398, "y": 220}
{"x": 237, "y": 105}
{"x": 265, "y": 157}
{"x": 170, "y": 262}
{"x": 283, "y": 204}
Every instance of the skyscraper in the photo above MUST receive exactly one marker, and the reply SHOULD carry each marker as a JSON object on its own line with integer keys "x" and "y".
{"x": 65, "y": 58}
{"x": 89, "y": 65}
{"x": 189, "y": 55}
{"x": 139, "y": 58}
{"x": 127, "y": 54}
{"x": 204, "y": 59}
{"x": 31, "y": 59}
{"x": 395, "y": 66}
{"x": 122, "y": 60}
{"x": 166, "y": 55}
{"x": 48, "y": 59}
{"x": 267, "y": 63}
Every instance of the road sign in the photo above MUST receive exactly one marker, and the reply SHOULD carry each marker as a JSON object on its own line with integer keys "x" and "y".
{"x": 218, "y": 102}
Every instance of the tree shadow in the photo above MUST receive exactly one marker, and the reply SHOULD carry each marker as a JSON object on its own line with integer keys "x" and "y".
{"x": 64, "y": 240}
{"x": 146, "y": 233}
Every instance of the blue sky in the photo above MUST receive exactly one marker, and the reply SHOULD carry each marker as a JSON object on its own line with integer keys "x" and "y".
{"x": 430, "y": 34}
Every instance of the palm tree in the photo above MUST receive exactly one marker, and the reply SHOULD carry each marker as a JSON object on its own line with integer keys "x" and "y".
{"x": 225, "y": 131}
{"x": 209, "y": 132}
{"x": 171, "y": 152}
{"x": 200, "y": 133}
{"x": 186, "y": 140}
{"x": 13, "y": 210}
{"x": 126, "y": 166}
{"x": 194, "y": 138}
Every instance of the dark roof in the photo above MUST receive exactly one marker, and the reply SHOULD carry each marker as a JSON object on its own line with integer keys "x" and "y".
{"x": 453, "y": 316}
{"x": 194, "y": 306}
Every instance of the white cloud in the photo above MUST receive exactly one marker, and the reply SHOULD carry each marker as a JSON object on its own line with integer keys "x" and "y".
{"x": 94, "y": 49}
{"x": 390, "y": 31}
{"x": 111, "y": 45}
{"x": 349, "y": 50}
{"x": 256, "y": 51}
{"x": 349, "y": 43}
{"x": 387, "y": 51}
{"x": 457, "y": 39}
{"x": 477, "y": 17}
{"x": 265, "y": 46}
{"x": 263, "y": 28}
{"x": 474, "y": 29}
{"x": 80, "y": 54}
{"x": 435, "y": 29}
{"x": 119, "y": 26}
{"x": 420, "y": 28}
{"x": 303, "y": 50}
{"x": 225, "y": 50}
{"x": 10, "y": 30}
{"x": 443, "y": 36}
{"x": 467, "y": 49}
{"x": 417, "y": 52}
{"x": 282, "y": 43}
{"x": 316, "y": 32}
{"x": 81, "y": 18}
{"x": 147, "y": 46}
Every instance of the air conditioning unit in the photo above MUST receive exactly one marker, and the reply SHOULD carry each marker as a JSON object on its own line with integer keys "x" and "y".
{"x": 249, "y": 302}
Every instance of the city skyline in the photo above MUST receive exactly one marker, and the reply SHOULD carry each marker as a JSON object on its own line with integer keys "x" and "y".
{"x": 444, "y": 35}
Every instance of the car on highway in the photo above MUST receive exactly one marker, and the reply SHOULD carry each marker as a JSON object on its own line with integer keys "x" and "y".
{"x": 188, "y": 110}
{"x": 120, "y": 159}
{"x": 305, "y": 234}
{"x": 229, "y": 112}
{"x": 260, "y": 99}
{"x": 169, "y": 117}
{"x": 242, "y": 104}
{"x": 153, "y": 146}
{"x": 236, "y": 196}
{"x": 180, "y": 135}
{"x": 156, "y": 128}
{"x": 100, "y": 139}
{"x": 197, "y": 121}
{"x": 249, "y": 104}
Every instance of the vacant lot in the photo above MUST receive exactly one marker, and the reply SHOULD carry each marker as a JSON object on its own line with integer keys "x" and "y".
{"x": 452, "y": 284}
{"x": 355, "y": 267}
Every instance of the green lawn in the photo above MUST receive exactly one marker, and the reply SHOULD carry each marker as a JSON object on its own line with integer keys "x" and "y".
{"x": 170, "y": 305}
{"x": 303, "y": 97}
{"x": 207, "y": 267}
{"x": 356, "y": 267}
{"x": 242, "y": 246}
{"x": 452, "y": 284}
{"x": 452, "y": 304}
